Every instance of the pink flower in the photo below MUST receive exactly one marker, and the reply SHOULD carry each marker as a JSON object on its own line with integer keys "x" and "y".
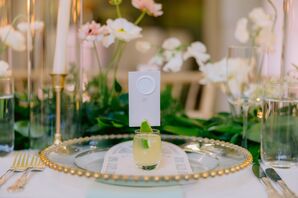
{"x": 90, "y": 32}
{"x": 108, "y": 38}
{"x": 148, "y": 6}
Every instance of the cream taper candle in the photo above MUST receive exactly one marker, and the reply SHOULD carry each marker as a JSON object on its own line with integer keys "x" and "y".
{"x": 63, "y": 20}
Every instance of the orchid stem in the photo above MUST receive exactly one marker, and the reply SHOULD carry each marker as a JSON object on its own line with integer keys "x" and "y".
{"x": 97, "y": 56}
{"x": 110, "y": 65}
{"x": 140, "y": 18}
{"x": 17, "y": 18}
{"x": 121, "y": 47}
{"x": 115, "y": 64}
{"x": 118, "y": 11}
{"x": 275, "y": 13}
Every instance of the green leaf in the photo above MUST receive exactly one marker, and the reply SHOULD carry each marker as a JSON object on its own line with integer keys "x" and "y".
{"x": 224, "y": 115}
{"x": 178, "y": 130}
{"x": 226, "y": 128}
{"x": 21, "y": 142}
{"x": 123, "y": 99}
{"x": 235, "y": 138}
{"x": 166, "y": 97}
{"x": 93, "y": 129}
{"x": 168, "y": 104}
{"x": 117, "y": 125}
{"x": 21, "y": 96}
{"x": 117, "y": 86}
{"x": 145, "y": 127}
{"x": 188, "y": 121}
{"x": 103, "y": 123}
{"x": 36, "y": 131}
{"x": 254, "y": 149}
{"x": 119, "y": 116}
{"x": 253, "y": 133}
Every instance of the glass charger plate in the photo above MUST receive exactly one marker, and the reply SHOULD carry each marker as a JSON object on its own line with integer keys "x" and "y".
{"x": 85, "y": 156}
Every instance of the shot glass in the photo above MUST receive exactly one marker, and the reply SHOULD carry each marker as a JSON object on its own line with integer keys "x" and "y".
{"x": 147, "y": 149}
{"x": 6, "y": 115}
{"x": 279, "y": 135}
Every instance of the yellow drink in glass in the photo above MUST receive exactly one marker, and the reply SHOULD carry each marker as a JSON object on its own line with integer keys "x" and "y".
{"x": 147, "y": 149}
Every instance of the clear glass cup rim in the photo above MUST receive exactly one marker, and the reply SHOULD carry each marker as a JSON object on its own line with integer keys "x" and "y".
{"x": 154, "y": 131}
{"x": 282, "y": 83}
{"x": 243, "y": 47}
{"x": 287, "y": 91}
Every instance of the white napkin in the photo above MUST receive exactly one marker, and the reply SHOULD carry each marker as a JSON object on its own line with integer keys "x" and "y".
{"x": 109, "y": 191}
{"x": 119, "y": 160}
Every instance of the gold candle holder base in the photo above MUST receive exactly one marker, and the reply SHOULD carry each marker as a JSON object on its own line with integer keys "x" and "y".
{"x": 58, "y": 81}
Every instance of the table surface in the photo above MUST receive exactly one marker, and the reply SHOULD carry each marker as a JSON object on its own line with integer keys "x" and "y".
{"x": 52, "y": 184}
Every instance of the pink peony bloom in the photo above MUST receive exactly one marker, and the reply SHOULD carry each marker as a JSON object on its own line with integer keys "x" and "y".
{"x": 148, "y": 6}
{"x": 91, "y": 32}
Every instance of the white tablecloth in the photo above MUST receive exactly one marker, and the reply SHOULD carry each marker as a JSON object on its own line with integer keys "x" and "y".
{"x": 52, "y": 184}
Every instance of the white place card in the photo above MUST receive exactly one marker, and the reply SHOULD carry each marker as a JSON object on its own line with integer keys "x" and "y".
{"x": 144, "y": 97}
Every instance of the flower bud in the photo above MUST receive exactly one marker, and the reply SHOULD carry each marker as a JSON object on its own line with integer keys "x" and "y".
{"x": 115, "y": 2}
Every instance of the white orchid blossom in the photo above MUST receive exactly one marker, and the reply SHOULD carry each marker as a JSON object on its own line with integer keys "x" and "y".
{"x": 24, "y": 27}
{"x": 266, "y": 39}
{"x": 260, "y": 19}
{"x": 174, "y": 64}
{"x": 4, "y": 69}
{"x": 154, "y": 64}
{"x": 124, "y": 30}
{"x": 171, "y": 43}
{"x": 234, "y": 73}
{"x": 12, "y": 38}
{"x": 257, "y": 29}
{"x": 157, "y": 60}
{"x": 214, "y": 72}
{"x": 241, "y": 33}
{"x": 34, "y": 26}
{"x": 238, "y": 70}
{"x": 198, "y": 51}
{"x": 173, "y": 53}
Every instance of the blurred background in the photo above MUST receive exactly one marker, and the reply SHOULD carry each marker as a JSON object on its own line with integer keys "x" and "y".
{"x": 212, "y": 22}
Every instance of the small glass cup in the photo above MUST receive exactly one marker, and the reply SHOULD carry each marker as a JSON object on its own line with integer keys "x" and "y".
{"x": 147, "y": 149}
{"x": 279, "y": 135}
{"x": 6, "y": 115}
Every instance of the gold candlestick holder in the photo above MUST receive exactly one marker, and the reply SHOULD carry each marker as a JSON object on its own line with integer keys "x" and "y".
{"x": 58, "y": 81}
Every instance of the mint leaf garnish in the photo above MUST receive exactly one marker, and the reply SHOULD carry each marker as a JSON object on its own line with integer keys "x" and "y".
{"x": 145, "y": 127}
{"x": 145, "y": 143}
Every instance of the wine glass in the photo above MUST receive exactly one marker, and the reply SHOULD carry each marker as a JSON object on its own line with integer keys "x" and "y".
{"x": 243, "y": 81}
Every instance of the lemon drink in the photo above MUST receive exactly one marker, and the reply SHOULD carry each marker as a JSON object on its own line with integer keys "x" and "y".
{"x": 147, "y": 147}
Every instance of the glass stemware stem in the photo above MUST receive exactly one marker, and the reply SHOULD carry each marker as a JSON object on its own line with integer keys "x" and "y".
{"x": 245, "y": 108}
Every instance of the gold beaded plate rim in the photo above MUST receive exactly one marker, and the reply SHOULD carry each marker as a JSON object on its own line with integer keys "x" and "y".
{"x": 182, "y": 177}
